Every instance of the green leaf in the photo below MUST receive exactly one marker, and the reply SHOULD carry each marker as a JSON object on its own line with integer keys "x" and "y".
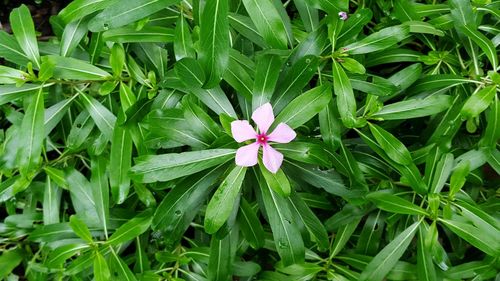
{"x": 250, "y": 226}
{"x": 216, "y": 100}
{"x": 478, "y": 102}
{"x": 131, "y": 229}
{"x": 51, "y": 202}
{"x": 266, "y": 76}
{"x": 72, "y": 35}
{"x": 414, "y": 108}
{"x": 277, "y": 181}
{"x": 385, "y": 260}
{"x": 32, "y": 135}
{"x": 342, "y": 236}
{"x": 80, "y": 228}
{"x": 305, "y": 106}
{"x": 104, "y": 119}
{"x": 330, "y": 125}
{"x": 426, "y": 270}
{"x": 214, "y": 40}
{"x": 392, "y": 56}
{"x": 346, "y": 103}
{"x": 394, "y": 148}
{"x": 121, "y": 161}
{"x": 190, "y": 72}
{"x": 239, "y": 78}
{"x": 486, "y": 242}
{"x": 439, "y": 82}
{"x": 441, "y": 173}
{"x": 24, "y": 31}
{"x": 312, "y": 223}
{"x": 423, "y": 27}
{"x": 166, "y": 167}
{"x": 183, "y": 42}
{"x": 101, "y": 269}
{"x": 394, "y": 204}
{"x": 222, "y": 203}
{"x": 80, "y": 8}
{"x": 11, "y": 75}
{"x": 119, "y": 268}
{"x": 492, "y": 131}
{"x": 9, "y": 261}
{"x": 82, "y": 197}
{"x": 287, "y": 238}
{"x": 129, "y": 34}
{"x": 100, "y": 190}
{"x": 10, "y": 49}
{"x": 220, "y": 262}
{"x": 268, "y": 22}
{"x": 117, "y": 59}
{"x": 379, "y": 40}
{"x": 483, "y": 42}
{"x": 354, "y": 24}
{"x": 10, "y": 93}
{"x": 70, "y": 68}
{"x": 126, "y": 12}
{"x": 295, "y": 80}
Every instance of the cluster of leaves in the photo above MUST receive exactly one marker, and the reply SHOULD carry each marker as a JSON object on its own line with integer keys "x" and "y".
{"x": 117, "y": 160}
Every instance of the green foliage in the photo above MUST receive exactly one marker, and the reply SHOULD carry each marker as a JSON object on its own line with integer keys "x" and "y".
{"x": 117, "y": 156}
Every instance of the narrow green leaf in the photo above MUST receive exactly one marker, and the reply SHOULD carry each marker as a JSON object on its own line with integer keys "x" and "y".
{"x": 346, "y": 103}
{"x": 190, "y": 72}
{"x": 268, "y": 22}
{"x": 121, "y": 161}
{"x": 127, "y": 12}
{"x": 222, "y": 203}
{"x": 32, "y": 135}
{"x": 131, "y": 229}
{"x": 100, "y": 189}
{"x": 483, "y": 42}
{"x": 250, "y": 226}
{"x": 72, "y": 35}
{"x": 486, "y": 242}
{"x": 10, "y": 49}
{"x": 287, "y": 238}
{"x": 101, "y": 269}
{"x": 104, "y": 119}
{"x": 414, "y": 108}
{"x": 379, "y": 40}
{"x": 342, "y": 236}
{"x": 70, "y": 68}
{"x": 277, "y": 181}
{"x": 266, "y": 75}
{"x": 175, "y": 165}
{"x": 439, "y": 82}
{"x": 183, "y": 43}
{"x": 220, "y": 262}
{"x": 80, "y": 8}
{"x": 129, "y": 34}
{"x": 312, "y": 223}
{"x": 80, "y": 229}
{"x": 216, "y": 100}
{"x": 305, "y": 106}
{"x": 330, "y": 125}
{"x": 385, "y": 260}
{"x": 394, "y": 148}
{"x": 119, "y": 268}
{"x": 51, "y": 202}
{"x": 478, "y": 102}
{"x": 24, "y": 31}
{"x": 441, "y": 173}
{"x": 394, "y": 204}
{"x": 214, "y": 40}
{"x": 9, "y": 261}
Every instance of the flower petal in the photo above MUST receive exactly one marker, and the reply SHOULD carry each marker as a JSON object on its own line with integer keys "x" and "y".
{"x": 246, "y": 156}
{"x": 272, "y": 159}
{"x": 263, "y": 116}
{"x": 242, "y": 131}
{"x": 282, "y": 134}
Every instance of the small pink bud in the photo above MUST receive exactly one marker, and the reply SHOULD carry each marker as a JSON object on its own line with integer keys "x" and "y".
{"x": 343, "y": 15}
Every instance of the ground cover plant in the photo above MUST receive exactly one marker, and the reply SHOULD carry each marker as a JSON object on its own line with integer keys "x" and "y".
{"x": 251, "y": 140}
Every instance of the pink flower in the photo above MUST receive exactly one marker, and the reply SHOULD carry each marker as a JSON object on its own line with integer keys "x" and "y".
{"x": 246, "y": 156}
{"x": 343, "y": 15}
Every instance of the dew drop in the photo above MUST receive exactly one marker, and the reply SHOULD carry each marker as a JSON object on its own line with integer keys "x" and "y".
{"x": 282, "y": 244}
{"x": 288, "y": 221}
{"x": 178, "y": 212}
{"x": 105, "y": 26}
{"x": 308, "y": 60}
{"x": 288, "y": 64}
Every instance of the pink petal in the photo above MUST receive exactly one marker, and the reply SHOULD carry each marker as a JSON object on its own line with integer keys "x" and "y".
{"x": 242, "y": 131}
{"x": 282, "y": 134}
{"x": 246, "y": 156}
{"x": 272, "y": 159}
{"x": 263, "y": 116}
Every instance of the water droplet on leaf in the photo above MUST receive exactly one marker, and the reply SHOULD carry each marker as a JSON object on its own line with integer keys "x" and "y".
{"x": 283, "y": 244}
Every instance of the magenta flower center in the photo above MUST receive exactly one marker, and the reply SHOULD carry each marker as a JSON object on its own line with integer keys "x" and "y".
{"x": 262, "y": 139}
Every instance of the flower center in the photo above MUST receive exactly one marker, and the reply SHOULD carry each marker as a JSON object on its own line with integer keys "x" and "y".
{"x": 262, "y": 138}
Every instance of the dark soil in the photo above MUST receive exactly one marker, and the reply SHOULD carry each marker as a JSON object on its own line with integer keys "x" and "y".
{"x": 41, "y": 11}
